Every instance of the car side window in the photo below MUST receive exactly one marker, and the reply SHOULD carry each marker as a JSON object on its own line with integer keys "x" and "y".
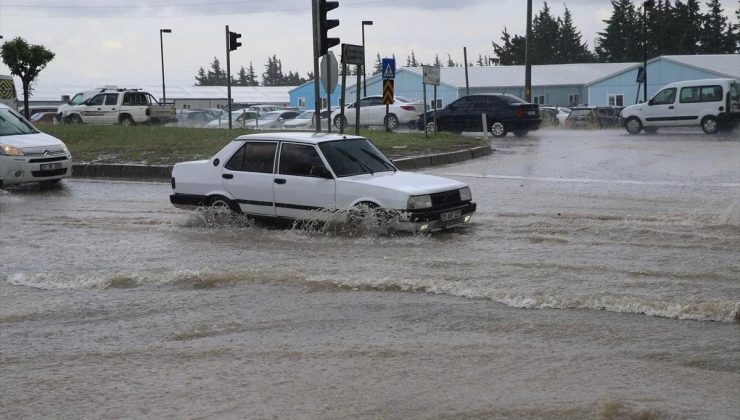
{"x": 464, "y": 103}
{"x": 486, "y": 102}
{"x": 299, "y": 160}
{"x": 253, "y": 157}
{"x": 111, "y": 98}
{"x": 97, "y": 100}
{"x": 665, "y": 97}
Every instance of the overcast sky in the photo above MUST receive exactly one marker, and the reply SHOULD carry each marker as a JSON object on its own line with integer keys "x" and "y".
{"x": 117, "y": 42}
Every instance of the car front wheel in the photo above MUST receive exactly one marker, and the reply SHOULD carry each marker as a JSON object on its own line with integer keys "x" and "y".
{"x": 633, "y": 125}
{"x": 340, "y": 122}
{"x": 498, "y": 129}
{"x": 709, "y": 125}
{"x": 392, "y": 121}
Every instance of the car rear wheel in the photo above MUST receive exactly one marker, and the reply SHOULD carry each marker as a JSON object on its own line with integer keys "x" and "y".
{"x": 431, "y": 129}
{"x": 340, "y": 122}
{"x": 223, "y": 203}
{"x": 127, "y": 121}
{"x": 498, "y": 129}
{"x": 392, "y": 121}
{"x": 709, "y": 125}
{"x": 74, "y": 119}
{"x": 633, "y": 125}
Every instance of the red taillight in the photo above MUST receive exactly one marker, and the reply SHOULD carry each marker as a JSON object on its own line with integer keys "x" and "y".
{"x": 520, "y": 113}
{"x": 408, "y": 107}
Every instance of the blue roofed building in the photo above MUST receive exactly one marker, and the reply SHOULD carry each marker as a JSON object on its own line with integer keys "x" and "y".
{"x": 302, "y": 97}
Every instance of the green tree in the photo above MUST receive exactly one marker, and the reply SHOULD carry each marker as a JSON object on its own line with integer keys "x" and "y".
{"x": 717, "y": 36}
{"x": 545, "y": 38}
{"x": 201, "y": 79}
{"x": 685, "y": 27}
{"x": 25, "y": 61}
{"x": 511, "y": 52}
{"x": 216, "y": 75}
{"x": 437, "y": 62}
{"x": 450, "y": 62}
{"x": 621, "y": 39}
{"x": 241, "y": 77}
{"x": 378, "y": 65}
{"x": 571, "y": 47}
{"x": 251, "y": 77}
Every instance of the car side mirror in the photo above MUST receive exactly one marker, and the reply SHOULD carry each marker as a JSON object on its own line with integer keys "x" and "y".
{"x": 320, "y": 172}
{"x": 650, "y": 102}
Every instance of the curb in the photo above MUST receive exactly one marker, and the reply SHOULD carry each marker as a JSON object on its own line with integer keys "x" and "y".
{"x": 163, "y": 172}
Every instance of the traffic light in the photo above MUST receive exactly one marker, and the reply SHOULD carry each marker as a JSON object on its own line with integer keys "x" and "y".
{"x": 233, "y": 43}
{"x": 325, "y": 24}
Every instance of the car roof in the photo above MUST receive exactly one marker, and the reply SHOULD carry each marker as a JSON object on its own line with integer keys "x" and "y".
{"x": 309, "y": 138}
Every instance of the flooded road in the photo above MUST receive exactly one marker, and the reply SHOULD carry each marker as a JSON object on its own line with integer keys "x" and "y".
{"x": 601, "y": 277}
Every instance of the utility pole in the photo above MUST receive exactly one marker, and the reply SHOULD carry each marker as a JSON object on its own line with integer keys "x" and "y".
{"x": 527, "y": 54}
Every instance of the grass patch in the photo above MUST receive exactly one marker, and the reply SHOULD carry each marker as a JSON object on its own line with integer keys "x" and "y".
{"x": 169, "y": 145}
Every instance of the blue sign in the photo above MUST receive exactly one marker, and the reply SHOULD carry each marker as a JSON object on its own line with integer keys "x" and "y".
{"x": 389, "y": 68}
{"x": 640, "y": 75}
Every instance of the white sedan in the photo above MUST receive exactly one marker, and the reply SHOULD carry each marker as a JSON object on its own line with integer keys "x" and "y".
{"x": 272, "y": 120}
{"x": 305, "y": 120}
{"x": 293, "y": 175}
{"x": 372, "y": 112}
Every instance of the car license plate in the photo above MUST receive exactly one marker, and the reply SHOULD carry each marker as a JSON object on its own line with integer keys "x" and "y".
{"x": 50, "y": 166}
{"x": 450, "y": 215}
{"x": 531, "y": 113}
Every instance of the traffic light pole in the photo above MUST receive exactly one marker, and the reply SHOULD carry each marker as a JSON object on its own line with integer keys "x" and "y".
{"x": 316, "y": 89}
{"x": 228, "y": 74}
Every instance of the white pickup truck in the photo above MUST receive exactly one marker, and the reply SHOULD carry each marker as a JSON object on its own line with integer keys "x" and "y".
{"x": 122, "y": 106}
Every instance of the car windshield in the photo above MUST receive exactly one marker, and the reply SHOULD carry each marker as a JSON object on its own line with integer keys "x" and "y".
{"x": 12, "y": 124}
{"x": 355, "y": 157}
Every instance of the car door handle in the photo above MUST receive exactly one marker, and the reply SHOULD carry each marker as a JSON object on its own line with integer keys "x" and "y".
{"x": 227, "y": 176}
{"x": 671, "y": 107}
{"x": 280, "y": 181}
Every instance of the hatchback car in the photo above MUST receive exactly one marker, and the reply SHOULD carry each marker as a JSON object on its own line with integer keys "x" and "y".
{"x": 504, "y": 113}
{"x": 28, "y": 155}
{"x": 403, "y": 111}
{"x": 292, "y": 175}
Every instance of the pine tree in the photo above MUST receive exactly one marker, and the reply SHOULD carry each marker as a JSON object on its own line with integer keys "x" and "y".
{"x": 216, "y": 76}
{"x": 241, "y": 77}
{"x": 450, "y": 63}
{"x": 251, "y": 77}
{"x": 378, "y": 65}
{"x": 512, "y": 51}
{"x": 437, "y": 61}
{"x": 717, "y": 36}
{"x": 571, "y": 48}
{"x": 412, "y": 60}
{"x": 621, "y": 40}
{"x": 685, "y": 27}
{"x": 545, "y": 38}
{"x": 201, "y": 79}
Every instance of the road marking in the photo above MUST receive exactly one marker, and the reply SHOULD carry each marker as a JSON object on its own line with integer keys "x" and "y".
{"x": 597, "y": 181}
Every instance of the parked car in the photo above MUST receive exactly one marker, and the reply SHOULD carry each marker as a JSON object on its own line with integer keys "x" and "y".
{"x": 305, "y": 120}
{"x": 593, "y": 117}
{"x": 582, "y": 118}
{"x": 403, "y": 111}
{"x": 122, "y": 106}
{"x": 271, "y": 120}
{"x": 239, "y": 119}
{"x": 35, "y": 109}
{"x": 193, "y": 118}
{"x": 554, "y": 116}
{"x": 504, "y": 113}
{"x": 711, "y": 104}
{"x": 292, "y": 175}
{"x": 47, "y": 117}
{"x": 28, "y": 155}
{"x": 80, "y": 98}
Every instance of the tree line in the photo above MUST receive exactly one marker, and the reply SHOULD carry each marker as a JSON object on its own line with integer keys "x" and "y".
{"x": 272, "y": 76}
{"x": 666, "y": 28}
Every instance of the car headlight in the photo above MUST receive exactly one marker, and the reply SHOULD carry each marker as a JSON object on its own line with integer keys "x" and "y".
{"x": 64, "y": 148}
{"x": 7, "y": 149}
{"x": 417, "y": 202}
{"x": 465, "y": 194}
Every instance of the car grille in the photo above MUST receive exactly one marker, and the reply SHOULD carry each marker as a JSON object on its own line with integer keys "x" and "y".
{"x": 48, "y": 151}
{"x": 445, "y": 199}
{"x": 53, "y": 172}
{"x": 46, "y": 160}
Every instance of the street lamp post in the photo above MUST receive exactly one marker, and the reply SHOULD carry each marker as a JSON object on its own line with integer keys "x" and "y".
{"x": 161, "y": 51}
{"x": 364, "y": 73}
{"x": 647, "y": 4}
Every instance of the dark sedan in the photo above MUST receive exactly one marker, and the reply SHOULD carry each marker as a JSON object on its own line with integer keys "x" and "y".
{"x": 504, "y": 114}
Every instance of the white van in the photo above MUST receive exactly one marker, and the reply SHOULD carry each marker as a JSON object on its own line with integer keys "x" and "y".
{"x": 28, "y": 155}
{"x": 712, "y": 104}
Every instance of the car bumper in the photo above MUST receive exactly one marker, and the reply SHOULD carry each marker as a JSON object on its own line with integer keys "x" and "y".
{"x": 187, "y": 201}
{"x": 16, "y": 170}
{"x": 438, "y": 219}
